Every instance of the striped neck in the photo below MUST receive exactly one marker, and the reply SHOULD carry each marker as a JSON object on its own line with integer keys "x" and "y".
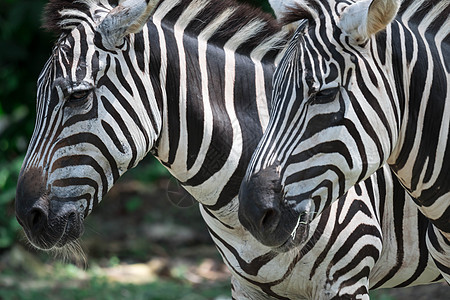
{"x": 215, "y": 82}
{"x": 418, "y": 52}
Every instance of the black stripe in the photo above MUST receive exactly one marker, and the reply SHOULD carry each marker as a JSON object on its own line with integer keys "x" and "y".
{"x": 139, "y": 48}
{"x": 155, "y": 63}
{"x": 65, "y": 182}
{"x": 194, "y": 101}
{"x": 222, "y": 138}
{"x": 87, "y": 137}
{"x": 112, "y": 135}
{"x": 172, "y": 89}
{"x": 140, "y": 86}
{"x": 422, "y": 223}
{"x": 398, "y": 217}
{"x": 125, "y": 131}
{"x": 123, "y": 81}
{"x": 80, "y": 160}
{"x": 81, "y": 70}
{"x": 105, "y": 81}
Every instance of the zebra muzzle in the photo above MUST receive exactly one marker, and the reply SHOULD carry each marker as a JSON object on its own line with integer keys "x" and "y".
{"x": 48, "y": 222}
{"x": 52, "y": 225}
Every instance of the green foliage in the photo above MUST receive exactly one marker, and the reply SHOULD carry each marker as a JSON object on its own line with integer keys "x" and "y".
{"x": 9, "y": 170}
{"x": 66, "y": 281}
{"x": 379, "y": 295}
{"x": 149, "y": 170}
{"x": 102, "y": 289}
{"x": 24, "y": 48}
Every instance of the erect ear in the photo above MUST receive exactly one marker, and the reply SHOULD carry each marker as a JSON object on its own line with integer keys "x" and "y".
{"x": 365, "y": 18}
{"x": 128, "y": 17}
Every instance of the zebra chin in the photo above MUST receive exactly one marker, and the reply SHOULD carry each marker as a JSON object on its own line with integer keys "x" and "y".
{"x": 298, "y": 236}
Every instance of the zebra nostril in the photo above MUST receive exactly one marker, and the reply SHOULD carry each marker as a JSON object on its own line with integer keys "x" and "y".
{"x": 269, "y": 219}
{"x": 36, "y": 220}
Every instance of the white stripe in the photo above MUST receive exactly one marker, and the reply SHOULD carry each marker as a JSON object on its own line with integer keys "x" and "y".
{"x": 179, "y": 165}
{"x": 203, "y": 38}
{"x": 164, "y": 136}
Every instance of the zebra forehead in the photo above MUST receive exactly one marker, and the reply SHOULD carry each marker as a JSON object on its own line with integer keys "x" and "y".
{"x": 57, "y": 11}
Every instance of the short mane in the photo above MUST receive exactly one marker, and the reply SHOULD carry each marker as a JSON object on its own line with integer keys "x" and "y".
{"x": 299, "y": 11}
{"x": 308, "y": 9}
{"x": 243, "y": 17}
{"x": 52, "y": 17}
{"x": 61, "y": 15}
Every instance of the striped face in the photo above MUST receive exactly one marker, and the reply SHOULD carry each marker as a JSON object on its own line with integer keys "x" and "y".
{"x": 94, "y": 121}
{"x": 329, "y": 129}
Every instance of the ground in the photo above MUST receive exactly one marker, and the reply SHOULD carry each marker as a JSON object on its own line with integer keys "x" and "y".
{"x": 146, "y": 240}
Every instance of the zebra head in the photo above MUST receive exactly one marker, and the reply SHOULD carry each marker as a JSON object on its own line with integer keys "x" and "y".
{"x": 318, "y": 142}
{"x": 78, "y": 147}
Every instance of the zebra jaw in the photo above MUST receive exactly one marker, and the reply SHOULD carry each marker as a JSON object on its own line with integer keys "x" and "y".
{"x": 299, "y": 222}
{"x": 298, "y": 236}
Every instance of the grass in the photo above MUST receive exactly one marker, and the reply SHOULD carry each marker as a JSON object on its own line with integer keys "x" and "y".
{"x": 25, "y": 276}
{"x": 101, "y": 289}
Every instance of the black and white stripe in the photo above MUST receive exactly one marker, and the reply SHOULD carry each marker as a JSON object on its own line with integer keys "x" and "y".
{"x": 193, "y": 88}
{"x": 347, "y": 100}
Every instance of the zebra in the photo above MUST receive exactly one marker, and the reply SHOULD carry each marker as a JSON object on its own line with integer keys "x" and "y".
{"x": 109, "y": 95}
{"x": 361, "y": 84}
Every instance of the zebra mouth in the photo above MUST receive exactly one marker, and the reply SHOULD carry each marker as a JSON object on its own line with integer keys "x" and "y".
{"x": 298, "y": 235}
{"x": 57, "y": 231}
{"x": 73, "y": 230}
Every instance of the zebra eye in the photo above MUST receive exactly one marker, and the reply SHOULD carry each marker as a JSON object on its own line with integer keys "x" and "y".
{"x": 79, "y": 96}
{"x": 324, "y": 96}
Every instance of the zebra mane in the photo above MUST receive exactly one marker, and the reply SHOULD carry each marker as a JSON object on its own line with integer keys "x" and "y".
{"x": 310, "y": 9}
{"x": 299, "y": 11}
{"x": 260, "y": 29}
{"x": 61, "y": 15}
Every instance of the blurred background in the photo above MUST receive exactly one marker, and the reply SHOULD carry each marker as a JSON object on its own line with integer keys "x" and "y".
{"x": 146, "y": 240}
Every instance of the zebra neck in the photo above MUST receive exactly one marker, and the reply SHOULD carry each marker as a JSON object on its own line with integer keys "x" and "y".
{"x": 215, "y": 89}
{"x": 419, "y": 53}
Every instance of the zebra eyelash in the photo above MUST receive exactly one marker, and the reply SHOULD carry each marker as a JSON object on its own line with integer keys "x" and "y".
{"x": 324, "y": 96}
{"x": 79, "y": 94}
{"x": 79, "y": 97}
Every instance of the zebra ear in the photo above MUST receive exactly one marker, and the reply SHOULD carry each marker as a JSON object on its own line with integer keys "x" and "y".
{"x": 128, "y": 17}
{"x": 365, "y": 18}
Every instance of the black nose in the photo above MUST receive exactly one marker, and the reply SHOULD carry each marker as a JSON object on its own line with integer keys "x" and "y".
{"x": 48, "y": 221}
{"x": 36, "y": 220}
{"x": 260, "y": 206}
{"x": 261, "y": 219}
{"x": 31, "y": 206}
